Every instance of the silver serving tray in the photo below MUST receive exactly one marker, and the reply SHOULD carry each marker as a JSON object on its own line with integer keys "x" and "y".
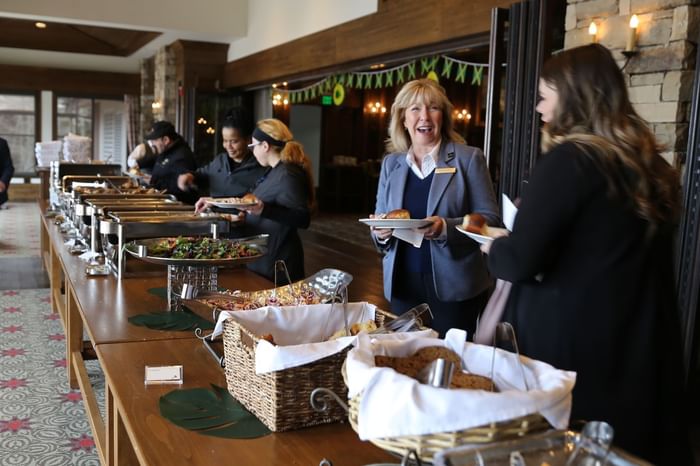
{"x": 553, "y": 448}
{"x": 139, "y": 249}
{"x": 323, "y": 283}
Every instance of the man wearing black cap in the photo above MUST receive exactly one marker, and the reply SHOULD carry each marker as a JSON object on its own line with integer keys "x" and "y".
{"x": 173, "y": 158}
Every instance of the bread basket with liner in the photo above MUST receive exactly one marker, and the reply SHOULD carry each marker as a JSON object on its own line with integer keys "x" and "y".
{"x": 275, "y": 381}
{"x": 427, "y": 419}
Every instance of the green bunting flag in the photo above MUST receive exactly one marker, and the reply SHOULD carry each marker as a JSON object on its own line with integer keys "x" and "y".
{"x": 389, "y": 79}
{"x": 399, "y": 75}
{"x": 412, "y": 70}
{"x": 429, "y": 67}
{"x": 477, "y": 74}
{"x": 447, "y": 68}
{"x": 461, "y": 72}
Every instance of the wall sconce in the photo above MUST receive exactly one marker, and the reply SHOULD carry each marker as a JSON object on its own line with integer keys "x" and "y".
{"x": 156, "y": 105}
{"x": 631, "y": 46}
{"x": 463, "y": 115}
{"x": 376, "y": 108}
{"x": 210, "y": 130}
{"x": 279, "y": 99}
{"x": 593, "y": 32}
{"x": 202, "y": 121}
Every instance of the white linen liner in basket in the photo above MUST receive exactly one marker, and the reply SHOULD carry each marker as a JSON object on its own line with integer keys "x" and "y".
{"x": 394, "y": 405}
{"x": 301, "y": 332}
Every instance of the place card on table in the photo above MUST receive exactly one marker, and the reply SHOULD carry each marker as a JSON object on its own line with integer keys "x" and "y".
{"x": 163, "y": 375}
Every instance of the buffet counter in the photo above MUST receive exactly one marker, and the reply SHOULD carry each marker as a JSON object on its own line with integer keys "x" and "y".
{"x": 133, "y": 432}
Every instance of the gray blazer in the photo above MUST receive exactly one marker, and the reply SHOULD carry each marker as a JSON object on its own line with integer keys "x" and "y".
{"x": 463, "y": 187}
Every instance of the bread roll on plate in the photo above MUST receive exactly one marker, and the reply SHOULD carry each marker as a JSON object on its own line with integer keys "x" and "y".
{"x": 402, "y": 214}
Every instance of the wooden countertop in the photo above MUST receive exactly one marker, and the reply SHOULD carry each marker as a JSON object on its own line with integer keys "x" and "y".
{"x": 106, "y": 303}
{"x": 158, "y": 442}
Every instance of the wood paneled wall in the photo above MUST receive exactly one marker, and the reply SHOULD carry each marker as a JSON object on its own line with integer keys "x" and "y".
{"x": 200, "y": 64}
{"x": 398, "y": 25}
{"x": 73, "y": 82}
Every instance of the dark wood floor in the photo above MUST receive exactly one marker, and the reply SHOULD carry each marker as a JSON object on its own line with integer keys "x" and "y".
{"x": 22, "y": 273}
{"x": 364, "y": 264}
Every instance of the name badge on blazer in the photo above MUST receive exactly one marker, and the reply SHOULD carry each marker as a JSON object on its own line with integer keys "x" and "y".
{"x": 443, "y": 170}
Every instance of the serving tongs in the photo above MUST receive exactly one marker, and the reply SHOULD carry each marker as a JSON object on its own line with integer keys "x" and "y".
{"x": 406, "y": 322}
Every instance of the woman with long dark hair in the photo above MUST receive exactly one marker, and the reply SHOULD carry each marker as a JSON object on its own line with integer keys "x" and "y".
{"x": 590, "y": 257}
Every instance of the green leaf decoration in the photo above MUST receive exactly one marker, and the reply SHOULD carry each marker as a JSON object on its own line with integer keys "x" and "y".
{"x": 368, "y": 81}
{"x": 171, "y": 320}
{"x": 378, "y": 80}
{"x": 349, "y": 80}
{"x": 210, "y": 412}
{"x": 358, "y": 81}
{"x": 161, "y": 292}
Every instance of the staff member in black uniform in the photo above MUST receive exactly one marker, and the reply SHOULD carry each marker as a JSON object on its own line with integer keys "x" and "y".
{"x": 285, "y": 198}
{"x": 232, "y": 173}
{"x": 174, "y": 157}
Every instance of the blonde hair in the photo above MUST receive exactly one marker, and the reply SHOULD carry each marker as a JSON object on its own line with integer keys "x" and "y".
{"x": 425, "y": 91}
{"x": 594, "y": 112}
{"x": 292, "y": 152}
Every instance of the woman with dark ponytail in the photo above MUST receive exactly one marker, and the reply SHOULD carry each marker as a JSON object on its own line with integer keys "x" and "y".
{"x": 591, "y": 258}
{"x": 285, "y": 198}
{"x": 232, "y": 172}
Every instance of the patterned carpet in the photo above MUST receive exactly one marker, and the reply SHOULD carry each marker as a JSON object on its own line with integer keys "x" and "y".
{"x": 42, "y": 421}
{"x": 19, "y": 230}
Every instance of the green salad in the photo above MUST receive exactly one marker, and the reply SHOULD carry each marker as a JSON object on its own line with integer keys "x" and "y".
{"x": 201, "y": 248}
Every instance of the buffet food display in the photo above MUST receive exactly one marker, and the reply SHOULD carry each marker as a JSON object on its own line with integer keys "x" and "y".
{"x": 115, "y": 218}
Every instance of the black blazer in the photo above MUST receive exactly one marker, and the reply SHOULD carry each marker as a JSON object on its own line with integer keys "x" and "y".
{"x": 594, "y": 294}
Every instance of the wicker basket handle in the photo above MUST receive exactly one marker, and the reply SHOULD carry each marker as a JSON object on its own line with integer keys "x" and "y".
{"x": 321, "y": 396}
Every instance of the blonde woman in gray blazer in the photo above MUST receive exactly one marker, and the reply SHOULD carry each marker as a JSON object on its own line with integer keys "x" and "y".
{"x": 431, "y": 173}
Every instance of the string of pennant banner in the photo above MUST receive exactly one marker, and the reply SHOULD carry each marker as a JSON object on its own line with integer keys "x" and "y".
{"x": 436, "y": 67}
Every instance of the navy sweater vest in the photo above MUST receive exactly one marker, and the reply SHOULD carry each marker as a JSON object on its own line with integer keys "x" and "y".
{"x": 415, "y": 200}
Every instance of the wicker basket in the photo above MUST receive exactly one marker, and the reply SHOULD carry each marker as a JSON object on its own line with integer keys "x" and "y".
{"x": 280, "y": 399}
{"x": 426, "y": 446}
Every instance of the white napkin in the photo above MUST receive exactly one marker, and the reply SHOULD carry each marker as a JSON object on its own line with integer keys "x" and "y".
{"x": 300, "y": 333}
{"x": 509, "y": 212}
{"x": 413, "y": 237}
{"x": 396, "y": 405}
{"x": 87, "y": 256}
{"x": 70, "y": 242}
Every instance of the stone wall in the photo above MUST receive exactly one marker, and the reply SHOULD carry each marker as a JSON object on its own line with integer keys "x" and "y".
{"x": 660, "y": 76}
{"x": 165, "y": 84}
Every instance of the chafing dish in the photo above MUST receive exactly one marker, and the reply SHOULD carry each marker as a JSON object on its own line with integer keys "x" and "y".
{"x": 96, "y": 209}
{"x": 119, "y": 229}
{"x": 109, "y": 181}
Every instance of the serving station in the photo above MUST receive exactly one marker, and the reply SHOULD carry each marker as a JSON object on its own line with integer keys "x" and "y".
{"x": 118, "y": 229}
{"x": 147, "y": 242}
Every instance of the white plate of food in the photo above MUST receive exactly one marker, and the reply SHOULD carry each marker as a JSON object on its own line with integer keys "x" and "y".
{"x": 481, "y": 239}
{"x": 233, "y": 202}
{"x": 396, "y": 223}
